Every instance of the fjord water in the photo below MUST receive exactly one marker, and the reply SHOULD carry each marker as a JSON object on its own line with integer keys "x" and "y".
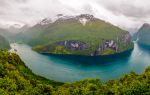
{"x": 59, "y": 69}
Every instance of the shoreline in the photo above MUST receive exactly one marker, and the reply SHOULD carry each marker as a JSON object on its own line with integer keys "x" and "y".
{"x": 92, "y": 59}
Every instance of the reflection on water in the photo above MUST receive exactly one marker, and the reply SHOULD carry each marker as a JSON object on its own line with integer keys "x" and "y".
{"x": 92, "y": 60}
{"x": 72, "y": 68}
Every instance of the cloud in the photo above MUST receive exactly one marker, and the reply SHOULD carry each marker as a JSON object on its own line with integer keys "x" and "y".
{"x": 134, "y": 8}
{"x": 126, "y": 14}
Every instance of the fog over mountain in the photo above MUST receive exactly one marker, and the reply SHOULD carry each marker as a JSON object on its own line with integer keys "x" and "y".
{"x": 127, "y": 14}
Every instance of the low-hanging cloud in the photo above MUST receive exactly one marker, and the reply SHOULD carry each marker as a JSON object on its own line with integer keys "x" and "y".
{"x": 130, "y": 8}
{"x": 124, "y": 13}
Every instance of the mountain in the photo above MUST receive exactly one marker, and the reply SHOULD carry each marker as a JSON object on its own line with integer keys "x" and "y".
{"x": 27, "y": 33}
{"x": 78, "y": 35}
{"x": 4, "y": 44}
{"x": 5, "y": 33}
{"x": 143, "y": 34}
{"x": 17, "y": 79}
{"x": 15, "y": 30}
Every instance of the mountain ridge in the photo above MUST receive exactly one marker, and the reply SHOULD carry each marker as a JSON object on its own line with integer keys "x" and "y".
{"x": 82, "y": 34}
{"x": 143, "y": 34}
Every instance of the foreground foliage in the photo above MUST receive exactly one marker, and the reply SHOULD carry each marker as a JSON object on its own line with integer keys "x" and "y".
{"x": 17, "y": 79}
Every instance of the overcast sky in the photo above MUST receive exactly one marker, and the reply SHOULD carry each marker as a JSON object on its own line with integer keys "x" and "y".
{"x": 127, "y": 14}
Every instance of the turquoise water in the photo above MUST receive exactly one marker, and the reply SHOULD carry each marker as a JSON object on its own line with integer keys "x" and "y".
{"x": 69, "y": 70}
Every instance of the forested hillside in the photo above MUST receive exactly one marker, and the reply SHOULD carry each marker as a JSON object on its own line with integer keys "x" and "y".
{"x": 77, "y": 35}
{"x": 17, "y": 79}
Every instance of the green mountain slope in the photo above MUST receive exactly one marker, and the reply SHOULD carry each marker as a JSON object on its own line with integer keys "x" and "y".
{"x": 26, "y": 35}
{"x": 143, "y": 34}
{"x": 7, "y": 34}
{"x": 17, "y": 79}
{"x": 78, "y": 35}
{"x": 4, "y": 44}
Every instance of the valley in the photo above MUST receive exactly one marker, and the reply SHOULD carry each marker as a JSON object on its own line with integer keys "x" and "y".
{"x": 80, "y": 67}
{"x": 74, "y": 55}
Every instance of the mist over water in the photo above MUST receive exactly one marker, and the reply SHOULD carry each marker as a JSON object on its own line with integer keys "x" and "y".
{"x": 68, "y": 70}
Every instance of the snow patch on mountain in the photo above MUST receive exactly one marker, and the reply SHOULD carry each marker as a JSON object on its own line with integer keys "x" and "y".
{"x": 45, "y": 21}
{"x": 83, "y": 21}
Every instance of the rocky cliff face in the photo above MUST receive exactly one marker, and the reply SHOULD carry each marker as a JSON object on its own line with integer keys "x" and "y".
{"x": 73, "y": 45}
{"x": 125, "y": 39}
{"x": 76, "y": 45}
{"x": 111, "y": 44}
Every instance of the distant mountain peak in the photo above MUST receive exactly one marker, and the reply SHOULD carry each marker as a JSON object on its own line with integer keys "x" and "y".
{"x": 87, "y": 16}
{"x": 146, "y": 25}
{"x": 45, "y": 21}
{"x": 64, "y": 17}
{"x": 84, "y": 18}
{"x": 143, "y": 34}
